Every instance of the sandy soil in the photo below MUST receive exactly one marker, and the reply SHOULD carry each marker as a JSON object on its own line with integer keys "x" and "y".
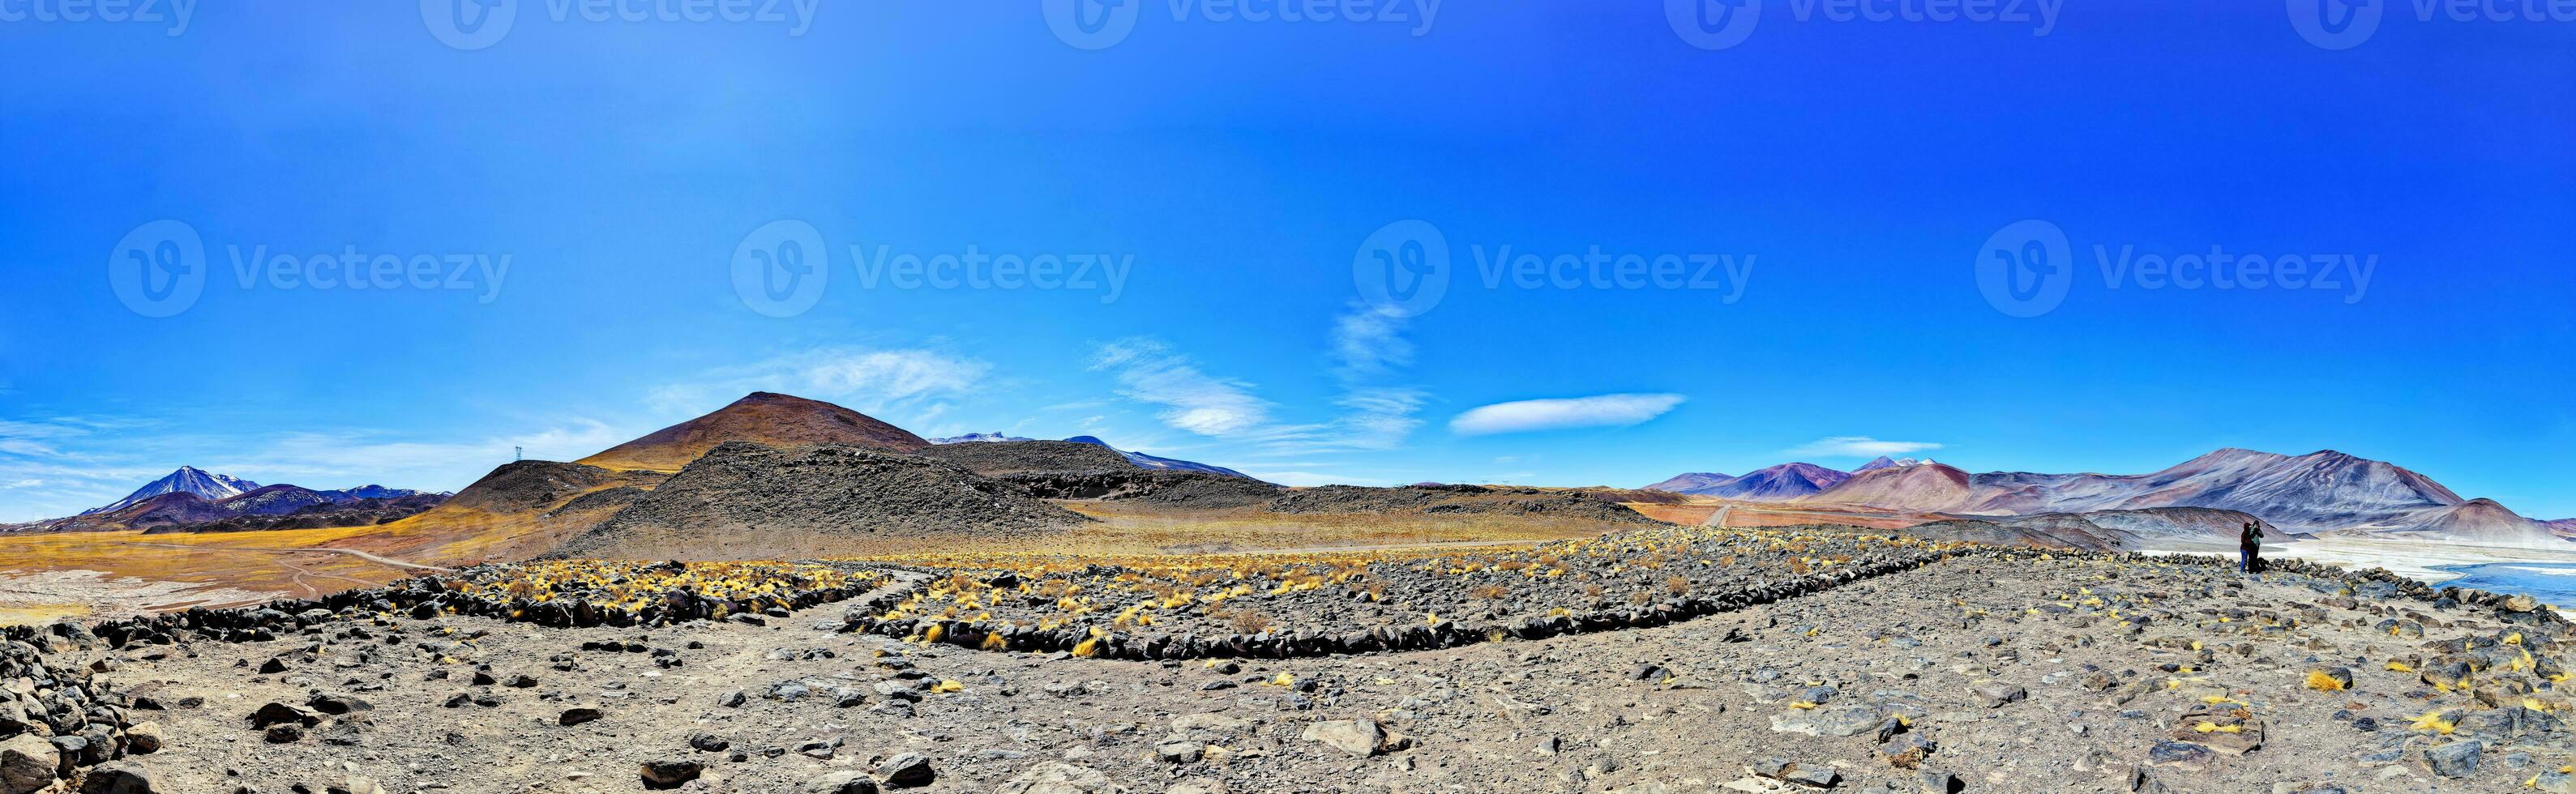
{"x": 46, "y": 596}
{"x": 2022, "y": 675}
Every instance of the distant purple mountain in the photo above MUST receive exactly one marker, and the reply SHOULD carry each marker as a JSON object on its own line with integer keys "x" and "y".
{"x": 1153, "y": 462}
{"x": 278, "y": 500}
{"x": 236, "y": 495}
{"x": 2319, "y": 492}
{"x": 1778, "y": 483}
{"x": 977, "y": 437}
{"x": 273, "y": 500}
{"x": 1693, "y": 482}
{"x": 371, "y": 491}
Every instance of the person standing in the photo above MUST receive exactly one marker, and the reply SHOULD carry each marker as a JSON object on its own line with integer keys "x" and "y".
{"x": 2249, "y": 548}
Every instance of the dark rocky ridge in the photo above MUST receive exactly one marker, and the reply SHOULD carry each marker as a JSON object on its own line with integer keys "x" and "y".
{"x": 1009, "y": 457}
{"x": 1080, "y": 471}
{"x": 1179, "y": 489}
{"x": 326, "y": 515}
{"x": 748, "y": 501}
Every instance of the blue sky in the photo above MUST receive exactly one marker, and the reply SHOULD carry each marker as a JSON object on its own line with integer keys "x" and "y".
{"x": 579, "y": 193}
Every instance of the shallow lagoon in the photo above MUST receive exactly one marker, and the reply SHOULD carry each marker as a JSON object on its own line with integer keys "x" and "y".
{"x": 2551, "y": 582}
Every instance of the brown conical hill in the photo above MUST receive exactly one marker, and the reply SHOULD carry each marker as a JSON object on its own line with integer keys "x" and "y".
{"x": 1928, "y": 488}
{"x": 776, "y": 420}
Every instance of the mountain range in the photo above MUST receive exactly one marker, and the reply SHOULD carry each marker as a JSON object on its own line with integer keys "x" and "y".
{"x": 188, "y": 479}
{"x": 1138, "y": 458}
{"x": 195, "y": 498}
{"x": 1785, "y": 481}
{"x": 2319, "y": 492}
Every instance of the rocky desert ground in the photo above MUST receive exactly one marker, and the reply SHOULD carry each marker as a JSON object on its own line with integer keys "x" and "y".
{"x": 1662, "y": 659}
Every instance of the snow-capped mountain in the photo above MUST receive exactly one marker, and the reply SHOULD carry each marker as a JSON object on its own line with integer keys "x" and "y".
{"x": 975, "y": 437}
{"x": 1885, "y": 462}
{"x": 1153, "y": 462}
{"x": 189, "y": 480}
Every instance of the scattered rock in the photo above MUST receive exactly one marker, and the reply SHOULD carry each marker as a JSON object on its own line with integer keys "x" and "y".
{"x": 906, "y": 770}
{"x": 2455, "y": 760}
{"x": 1361, "y": 737}
{"x": 669, "y": 774}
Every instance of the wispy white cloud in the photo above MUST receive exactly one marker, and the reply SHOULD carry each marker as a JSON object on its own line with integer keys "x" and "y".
{"x": 1370, "y": 341}
{"x": 1608, "y": 410}
{"x": 1861, "y": 447}
{"x": 338, "y": 458}
{"x": 863, "y": 379}
{"x": 1379, "y": 418}
{"x": 1149, "y": 371}
{"x": 51, "y": 465}
{"x": 1368, "y": 346}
